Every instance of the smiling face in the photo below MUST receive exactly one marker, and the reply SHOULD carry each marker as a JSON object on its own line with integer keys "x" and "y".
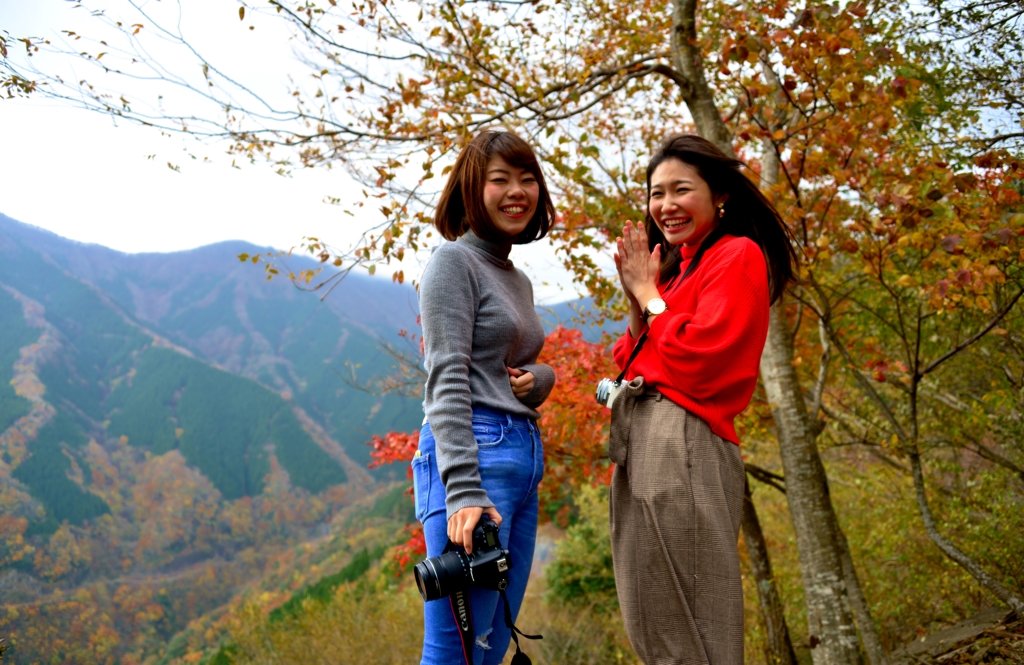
{"x": 681, "y": 203}
{"x": 510, "y": 196}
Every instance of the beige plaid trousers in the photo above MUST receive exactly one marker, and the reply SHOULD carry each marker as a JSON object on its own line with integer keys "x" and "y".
{"x": 676, "y": 502}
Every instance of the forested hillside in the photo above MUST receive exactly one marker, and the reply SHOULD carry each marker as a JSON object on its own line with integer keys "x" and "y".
{"x": 170, "y": 425}
{"x": 224, "y": 313}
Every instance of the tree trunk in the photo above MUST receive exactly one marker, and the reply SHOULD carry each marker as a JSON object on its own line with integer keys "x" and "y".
{"x": 797, "y": 437}
{"x": 831, "y": 631}
{"x": 779, "y": 648}
{"x": 693, "y": 84}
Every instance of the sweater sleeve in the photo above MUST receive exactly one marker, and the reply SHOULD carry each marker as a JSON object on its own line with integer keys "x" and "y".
{"x": 694, "y": 347}
{"x": 543, "y": 382}
{"x": 449, "y": 298}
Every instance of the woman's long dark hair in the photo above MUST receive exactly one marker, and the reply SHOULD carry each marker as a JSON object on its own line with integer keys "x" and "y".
{"x": 747, "y": 212}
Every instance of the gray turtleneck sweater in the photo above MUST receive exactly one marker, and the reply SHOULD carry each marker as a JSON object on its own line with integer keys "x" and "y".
{"x": 478, "y": 317}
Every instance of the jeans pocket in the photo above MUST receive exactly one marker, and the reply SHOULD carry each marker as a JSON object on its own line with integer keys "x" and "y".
{"x": 488, "y": 434}
{"x": 421, "y": 484}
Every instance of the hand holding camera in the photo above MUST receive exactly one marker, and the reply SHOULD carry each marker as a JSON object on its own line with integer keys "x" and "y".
{"x": 463, "y": 522}
{"x": 455, "y": 570}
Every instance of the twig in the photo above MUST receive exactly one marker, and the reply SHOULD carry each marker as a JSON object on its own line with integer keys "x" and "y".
{"x": 973, "y": 338}
{"x": 766, "y": 476}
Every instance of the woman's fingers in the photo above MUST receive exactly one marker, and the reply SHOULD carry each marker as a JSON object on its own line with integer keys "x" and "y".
{"x": 628, "y": 243}
{"x": 462, "y": 523}
{"x": 640, "y": 240}
{"x": 638, "y": 266}
{"x": 522, "y": 383}
{"x": 492, "y": 512}
{"x": 467, "y": 534}
{"x": 641, "y": 235}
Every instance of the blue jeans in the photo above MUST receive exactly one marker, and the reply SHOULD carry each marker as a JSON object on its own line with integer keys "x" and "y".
{"x": 511, "y": 459}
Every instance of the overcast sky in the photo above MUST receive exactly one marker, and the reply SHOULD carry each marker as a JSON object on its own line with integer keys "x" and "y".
{"x": 80, "y": 175}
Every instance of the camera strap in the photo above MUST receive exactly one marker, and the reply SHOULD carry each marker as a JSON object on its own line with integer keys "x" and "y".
{"x": 520, "y": 658}
{"x": 632, "y": 356}
{"x": 463, "y": 615}
{"x": 464, "y": 620}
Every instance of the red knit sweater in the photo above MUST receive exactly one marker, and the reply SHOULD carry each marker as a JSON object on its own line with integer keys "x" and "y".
{"x": 704, "y": 351}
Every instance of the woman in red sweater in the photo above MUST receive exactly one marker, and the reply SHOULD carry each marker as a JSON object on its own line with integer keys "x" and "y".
{"x": 700, "y": 276}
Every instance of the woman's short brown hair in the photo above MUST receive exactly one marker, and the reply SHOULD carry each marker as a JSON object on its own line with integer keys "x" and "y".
{"x": 462, "y": 202}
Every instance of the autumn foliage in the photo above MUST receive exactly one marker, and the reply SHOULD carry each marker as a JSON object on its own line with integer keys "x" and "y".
{"x": 573, "y": 427}
{"x": 903, "y": 332}
{"x": 394, "y": 447}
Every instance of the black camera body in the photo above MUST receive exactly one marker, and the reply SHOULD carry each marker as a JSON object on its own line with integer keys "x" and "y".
{"x": 454, "y": 570}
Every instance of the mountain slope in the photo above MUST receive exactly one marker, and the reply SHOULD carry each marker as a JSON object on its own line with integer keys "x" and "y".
{"x": 169, "y": 424}
{"x": 222, "y": 311}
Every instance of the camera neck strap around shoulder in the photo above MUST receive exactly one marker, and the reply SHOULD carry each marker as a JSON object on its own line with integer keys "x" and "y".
{"x": 632, "y": 356}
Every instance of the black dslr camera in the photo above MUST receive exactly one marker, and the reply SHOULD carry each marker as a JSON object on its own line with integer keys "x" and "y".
{"x": 454, "y": 570}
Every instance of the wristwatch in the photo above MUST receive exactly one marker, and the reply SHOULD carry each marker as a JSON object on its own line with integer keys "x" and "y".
{"x": 654, "y": 307}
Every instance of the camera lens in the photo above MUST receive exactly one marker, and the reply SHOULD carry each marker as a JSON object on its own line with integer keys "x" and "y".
{"x": 439, "y": 576}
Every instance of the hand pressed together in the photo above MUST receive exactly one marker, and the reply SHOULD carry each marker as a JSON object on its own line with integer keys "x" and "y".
{"x": 462, "y": 523}
{"x": 638, "y": 267}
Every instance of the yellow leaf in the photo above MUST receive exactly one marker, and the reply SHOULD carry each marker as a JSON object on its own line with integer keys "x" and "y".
{"x": 983, "y": 303}
{"x": 905, "y": 281}
{"x": 993, "y": 273}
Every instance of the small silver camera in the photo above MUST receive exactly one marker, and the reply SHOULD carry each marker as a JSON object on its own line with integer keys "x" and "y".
{"x": 607, "y": 391}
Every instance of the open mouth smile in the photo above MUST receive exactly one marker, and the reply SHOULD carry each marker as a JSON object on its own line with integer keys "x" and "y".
{"x": 513, "y": 211}
{"x": 675, "y": 223}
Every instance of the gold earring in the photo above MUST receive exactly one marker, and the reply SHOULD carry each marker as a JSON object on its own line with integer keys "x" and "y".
{"x": 721, "y": 210}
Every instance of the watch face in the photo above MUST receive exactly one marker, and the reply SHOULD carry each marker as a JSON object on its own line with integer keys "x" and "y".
{"x": 656, "y": 306}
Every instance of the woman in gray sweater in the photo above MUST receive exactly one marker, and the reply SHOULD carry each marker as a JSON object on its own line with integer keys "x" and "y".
{"x": 480, "y": 452}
